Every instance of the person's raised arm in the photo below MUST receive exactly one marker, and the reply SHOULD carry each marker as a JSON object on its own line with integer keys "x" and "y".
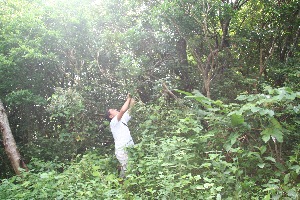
{"x": 131, "y": 104}
{"x": 124, "y": 108}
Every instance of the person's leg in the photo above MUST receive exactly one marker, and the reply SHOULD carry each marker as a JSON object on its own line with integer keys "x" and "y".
{"x": 122, "y": 158}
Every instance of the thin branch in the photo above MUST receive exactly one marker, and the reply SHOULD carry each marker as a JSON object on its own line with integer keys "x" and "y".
{"x": 166, "y": 89}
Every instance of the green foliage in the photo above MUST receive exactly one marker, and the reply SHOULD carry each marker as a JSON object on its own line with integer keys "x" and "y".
{"x": 23, "y": 97}
{"x": 176, "y": 158}
{"x": 65, "y": 104}
{"x": 278, "y": 104}
{"x": 5, "y": 164}
{"x": 73, "y": 131}
{"x": 84, "y": 56}
{"x": 84, "y": 179}
{"x": 284, "y": 74}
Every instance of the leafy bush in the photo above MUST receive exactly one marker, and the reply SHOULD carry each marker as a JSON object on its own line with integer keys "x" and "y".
{"x": 69, "y": 130}
{"x": 195, "y": 148}
{"x": 88, "y": 178}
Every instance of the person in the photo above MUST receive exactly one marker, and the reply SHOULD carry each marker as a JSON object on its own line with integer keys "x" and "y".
{"x": 120, "y": 131}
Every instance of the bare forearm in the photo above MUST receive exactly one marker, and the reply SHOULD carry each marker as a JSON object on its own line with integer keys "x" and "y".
{"x": 126, "y": 105}
{"x": 124, "y": 108}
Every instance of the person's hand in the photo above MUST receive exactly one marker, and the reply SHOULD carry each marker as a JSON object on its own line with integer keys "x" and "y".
{"x": 128, "y": 96}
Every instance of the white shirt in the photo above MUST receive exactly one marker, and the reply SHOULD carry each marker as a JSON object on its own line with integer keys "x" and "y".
{"x": 120, "y": 131}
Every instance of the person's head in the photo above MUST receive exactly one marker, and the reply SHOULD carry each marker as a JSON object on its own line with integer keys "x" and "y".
{"x": 111, "y": 113}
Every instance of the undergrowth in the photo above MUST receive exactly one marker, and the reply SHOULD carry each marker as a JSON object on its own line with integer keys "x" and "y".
{"x": 195, "y": 148}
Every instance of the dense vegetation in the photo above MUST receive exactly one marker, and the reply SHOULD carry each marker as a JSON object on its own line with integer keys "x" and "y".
{"x": 216, "y": 84}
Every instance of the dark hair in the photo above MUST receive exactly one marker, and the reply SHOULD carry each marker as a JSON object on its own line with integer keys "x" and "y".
{"x": 107, "y": 114}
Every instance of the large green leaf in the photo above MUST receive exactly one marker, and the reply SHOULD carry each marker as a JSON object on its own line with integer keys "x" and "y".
{"x": 275, "y": 130}
{"x": 237, "y": 119}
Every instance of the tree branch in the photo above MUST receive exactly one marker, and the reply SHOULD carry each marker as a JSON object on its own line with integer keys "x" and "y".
{"x": 169, "y": 92}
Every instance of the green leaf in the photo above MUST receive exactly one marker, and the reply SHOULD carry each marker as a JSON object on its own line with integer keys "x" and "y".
{"x": 207, "y": 165}
{"x": 95, "y": 168}
{"x": 233, "y": 137}
{"x": 208, "y": 185}
{"x": 261, "y": 165}
{"x": 263, "y": 149}
{"x": 270, "y": 159}
{"x": 296, "y": 168}
{"x": 44, "y": 175}
{"x": 275, "y": 131}
{"x": 266, "y": 112}
{"x": 255, "y": 109}
{"x": 292, "y": 193}
{"x": 199, "y": 187}
{"x": 267, "y": 197}
{"x": 219, "y": 188}
{"x": 241, "y": 97}
{"x": 277, "y": 134}
{"x": 183, "y": 92}
{"x": 286, "y": 178}
{"x": 236, "y": 119}
{"x": 266, "y": 134}
{"x": 275, "y": 123}
{"x": 96, "y": 173}
{"x": 197, "y": 129}
{"x": 198, "y": 177}
{"x": 166, "y": 164}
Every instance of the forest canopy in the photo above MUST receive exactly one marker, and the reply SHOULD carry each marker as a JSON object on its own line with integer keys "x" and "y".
{"x": 216, "y": 84}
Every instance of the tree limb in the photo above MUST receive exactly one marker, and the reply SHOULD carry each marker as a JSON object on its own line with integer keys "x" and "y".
{"x": 169, "y": 92}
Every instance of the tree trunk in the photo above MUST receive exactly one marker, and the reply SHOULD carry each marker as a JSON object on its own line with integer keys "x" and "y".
{"x": 207, "y": 87}
{"x": 182, "y": 70}
{"x": 181, "y": 51}
{"x": 9, "y": 141}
